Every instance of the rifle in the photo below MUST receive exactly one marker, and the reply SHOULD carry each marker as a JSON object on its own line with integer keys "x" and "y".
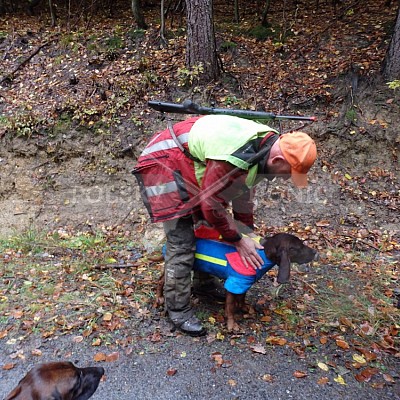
{"x": 189, "y": 107}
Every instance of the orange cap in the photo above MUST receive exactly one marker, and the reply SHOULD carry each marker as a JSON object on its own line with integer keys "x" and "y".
{"x": 300, "y": 152}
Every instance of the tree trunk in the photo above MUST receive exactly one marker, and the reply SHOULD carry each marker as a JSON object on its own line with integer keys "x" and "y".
{"x": 265, "y": 14}
{"x": 137, "y": 12}
{"x": 52, "y": 14}
{"x": 391, "y": 64}
{"x": 236, "y": 17}
{"x": 200, "y": 46}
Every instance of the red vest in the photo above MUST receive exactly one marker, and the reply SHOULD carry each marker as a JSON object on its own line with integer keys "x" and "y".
{"x": 166, "y": 177}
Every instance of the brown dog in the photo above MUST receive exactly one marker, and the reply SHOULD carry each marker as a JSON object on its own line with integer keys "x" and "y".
{"x": 281, "y": 249}
{"x": 57, "y": 381}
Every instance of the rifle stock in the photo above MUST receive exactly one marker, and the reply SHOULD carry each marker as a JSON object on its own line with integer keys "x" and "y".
{"x": 189, "y": 107}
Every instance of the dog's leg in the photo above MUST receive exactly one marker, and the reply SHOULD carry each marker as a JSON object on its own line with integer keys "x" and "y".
{"x": 230, "y": 308}
{"x": 160, "y": 292}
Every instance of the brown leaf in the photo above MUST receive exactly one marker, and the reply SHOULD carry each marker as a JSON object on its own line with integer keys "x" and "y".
{"x": 366, "y": 374}
{"x": 368, "y": 355}
{"x": 388, "y": 378}
{"x": 99, "y": 357}
{"x": 112, "y": 356}
{"x": 171, "y": 371}
{"x": 323, "y": 339}
{"x": 217, "y": 357}
{"x": 299, "y": 374}
{"x": 323, "y": 380}
{"x": 276, "y": 340}
{"x": 7, "y": 367}
{"x": 342, "y": 344}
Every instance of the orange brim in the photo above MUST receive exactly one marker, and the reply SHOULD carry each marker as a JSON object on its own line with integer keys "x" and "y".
{"x": 299, "y": 179}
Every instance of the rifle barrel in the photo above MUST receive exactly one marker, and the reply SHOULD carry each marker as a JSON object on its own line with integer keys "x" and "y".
{"x": 189, "y": 107}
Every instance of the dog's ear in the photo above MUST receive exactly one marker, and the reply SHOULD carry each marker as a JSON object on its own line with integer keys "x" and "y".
{"x": 14, "y": 393}
{"x": 283, "y": 261}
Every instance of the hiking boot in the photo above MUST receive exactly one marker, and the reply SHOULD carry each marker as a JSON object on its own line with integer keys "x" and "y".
{"x": 192, "y": 327}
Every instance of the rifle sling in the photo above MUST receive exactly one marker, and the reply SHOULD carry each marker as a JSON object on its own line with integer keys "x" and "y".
{"x": 179, "y": 144}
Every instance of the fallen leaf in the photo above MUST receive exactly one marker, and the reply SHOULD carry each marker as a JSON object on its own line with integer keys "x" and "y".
{"x": 267, "y": 378}
{"x": 340, "y": 380}
{"x": 323, "y": 381}
{"x": 7, "y": 367}
{"x": 107, "y": 316}
{"x": 299, "y": 374}
{"x": 359, "y": 359}
{"x": 388, "y": 378}
{"x": 323, "y": 366}
{"x": 232, "y": 382}
{"x": 276, "y": 340}
{"x": 99, "y": 357}
{"x": 322, "y": 223}
{"x": 368, "y": 355}
{"x": 366, "y": 374}
{"x": 342, "y": 344}
{"x": 367, "y": 329}
{"x": 258, "y": 349}
{"x": 171, "y": 371}
{"x": 323, "y": 340}
{"x": 36, "y": 352}
{"x": 112, "y": 357}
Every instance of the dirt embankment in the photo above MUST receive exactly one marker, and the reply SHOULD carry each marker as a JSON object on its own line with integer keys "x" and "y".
{"x": 72, "y": 177}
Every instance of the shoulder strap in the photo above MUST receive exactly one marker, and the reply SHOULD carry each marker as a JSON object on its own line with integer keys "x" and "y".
{"x": 179, "y": 144}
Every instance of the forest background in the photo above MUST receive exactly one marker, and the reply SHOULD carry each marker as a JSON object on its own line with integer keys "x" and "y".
{"x": 75, "y": 80}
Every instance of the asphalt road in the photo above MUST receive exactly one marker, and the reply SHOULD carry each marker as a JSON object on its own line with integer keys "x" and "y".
{"x": 176, "y": 367}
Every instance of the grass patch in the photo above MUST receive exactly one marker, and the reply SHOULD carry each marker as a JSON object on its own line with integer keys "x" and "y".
{"x": 61, "y": 281}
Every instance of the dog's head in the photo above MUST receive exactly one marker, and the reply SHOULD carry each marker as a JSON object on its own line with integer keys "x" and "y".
{"x": 284, "y": 249}
{"x": 58, "y": 380}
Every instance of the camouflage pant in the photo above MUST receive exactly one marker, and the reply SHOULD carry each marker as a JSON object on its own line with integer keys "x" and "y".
{"x": 179, "y": 259}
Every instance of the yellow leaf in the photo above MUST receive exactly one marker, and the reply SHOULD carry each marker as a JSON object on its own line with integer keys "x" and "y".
{"x": 211, "y": 320}
{"x": 220, "y": 336}
{"x": 340, "y": 380}
{"x": 107, "y": 316}
{"x": 348, "y": 177}
{"x": 323, "y": 366}
{"x": 359, "y": 359}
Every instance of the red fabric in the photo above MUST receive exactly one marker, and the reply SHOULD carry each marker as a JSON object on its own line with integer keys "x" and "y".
{"x": 214, "y": 207}
{"x": 237, "y": 264}
{"x": 205, "y": 232}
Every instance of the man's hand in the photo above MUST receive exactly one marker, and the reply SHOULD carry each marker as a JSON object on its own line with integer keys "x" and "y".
{"x": 247, "y": 248}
